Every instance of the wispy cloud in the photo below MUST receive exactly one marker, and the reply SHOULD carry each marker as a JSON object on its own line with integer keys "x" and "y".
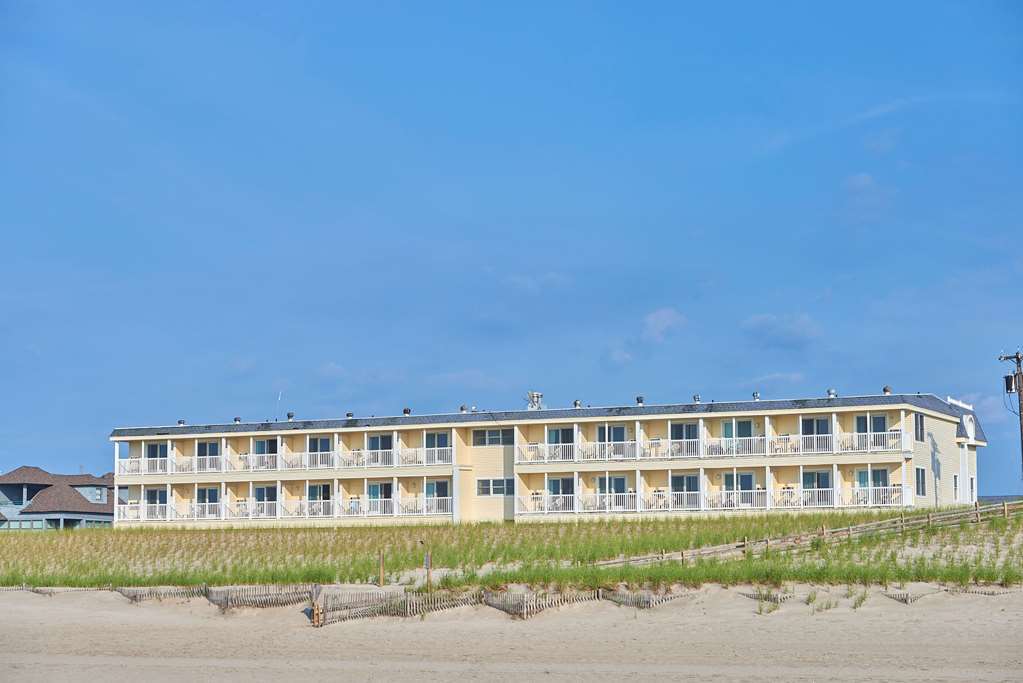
{"x": 658, "y": 324}
{"x": 777, "y": 378}
{"x": 787, "y": 332}
{"x": 538, "y": 282}
{"x": 991, "y": 410}
{"x": 867, "y": 197}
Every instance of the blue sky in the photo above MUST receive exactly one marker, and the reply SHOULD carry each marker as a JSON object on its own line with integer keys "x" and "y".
{"x": 373, "y": 206}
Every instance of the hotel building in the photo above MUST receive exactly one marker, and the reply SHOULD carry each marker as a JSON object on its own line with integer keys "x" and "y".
{"x": 888, "y": 450}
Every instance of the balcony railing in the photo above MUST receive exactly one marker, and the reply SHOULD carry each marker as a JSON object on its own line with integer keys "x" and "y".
{"x": 805, "y": 498}
{"x": 663, "y": 501}
{"x": 248, "y": 509}
{"x": 607, "y": 502}
{"x": 875, "y": 496}
{"x": 712, "y": 447}
{"x": 251, "y": 462}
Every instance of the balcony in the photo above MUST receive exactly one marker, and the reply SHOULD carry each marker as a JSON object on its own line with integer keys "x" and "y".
{"x": 712, "y": 447}
{"x": 248, "y": 509}
{"x": 290, "y": 461}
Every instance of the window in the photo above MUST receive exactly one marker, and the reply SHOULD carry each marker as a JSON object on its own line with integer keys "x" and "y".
{"x": 878, "y": 424}
{"x": 816, "y": 426}
{"x": 955, "y": 488}
{"x": 266, "y": 494}
{"x": 438, "y": 489}
{"x": 437, "y": 440}
{"x": 973, "y": 494}
{"x": 817, "y": 480}
{"x": 493, "y": 437}
{"x": 208, "y": 449}
{"x": 921, "y": 481}
{"x": 156, "y": 450}
{"x": 319, "y": 492}
{"x": 156, "y": 496}
{"x": 208, "y": 495}
{"x": 918, "y": 427}
{"x": 563, "y": 486}
{"x": 685, "y": 483}
{"x": 319, "y": 444}
{"x": 495, "y": 487}
{"x": 266, "y": 446}
{"x": 617, "y": 484}
{"x": 689, "y": 430}
{"x": 615, "y": 432}
{"x": 380, "y": 442}
{"x": 560, "y": 435}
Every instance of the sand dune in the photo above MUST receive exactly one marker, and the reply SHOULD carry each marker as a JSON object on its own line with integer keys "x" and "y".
{"x": 713, "y": 634}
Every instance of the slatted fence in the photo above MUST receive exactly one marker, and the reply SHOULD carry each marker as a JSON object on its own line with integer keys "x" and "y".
{"x": 228, "y": 597}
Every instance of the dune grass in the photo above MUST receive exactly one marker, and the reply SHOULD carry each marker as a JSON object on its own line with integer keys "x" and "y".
{"x": 155, "y": 556}
{"x": 548, "y": 554}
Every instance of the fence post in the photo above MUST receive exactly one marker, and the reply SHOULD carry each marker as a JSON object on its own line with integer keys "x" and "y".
{"x": 976, "y": 509}
{"x": 381, "y": 557}
{"x": 1005, "y": 509}
{"x": 928, "y": 519}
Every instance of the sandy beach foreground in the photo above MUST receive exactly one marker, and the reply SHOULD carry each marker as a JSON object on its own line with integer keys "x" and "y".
{"x": 714, "y": 633}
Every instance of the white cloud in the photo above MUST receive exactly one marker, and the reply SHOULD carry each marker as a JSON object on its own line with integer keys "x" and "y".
{"x": 791, "y": 332}
{"x": 657, "y": 325}
{"x": 991, "y": 410}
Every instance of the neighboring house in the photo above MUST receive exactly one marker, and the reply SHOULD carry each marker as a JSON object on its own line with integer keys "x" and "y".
{"x": 888, "y": 450}
{"x": 31, "y": 498}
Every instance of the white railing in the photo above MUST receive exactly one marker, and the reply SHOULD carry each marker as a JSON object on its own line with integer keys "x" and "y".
{"x": 684, "y": 448}
{"x": 735, "y": 446}
{"x": 128, "y": 512}
{"x": 294, "y": 508}
{"x": 816, "y": 443}
{"x": 426, "y": 505}
{"x": 546, "y": 503}
{"x": 158, "y": 511}
{"x": 263, "y": 508}
{"x": 380, "y": 506}
{"x": 291, "y": 461}
{"x": 208, "y": 463}
{"x": 206, "y": 511}
{"x": 818, "y": 498}
{"x": 607, "y": 502}
{"x": 660, "y": 501}
{"x": 323, "y": 460}
{"x": 872, "y": 441}
{"x": 379, "y": 458}
{"x": 731, "y": 500}
{"x": 608, "y": 450}
{"x": 259, "y": 462}
{"x": 320, "y": 508}
{"x": 875, "y": 496}
{"x": 156, "y": 465}
{"x": 425, "y": 456}
{"x": 129, "y": 466}
{"x": 544, "y": 452}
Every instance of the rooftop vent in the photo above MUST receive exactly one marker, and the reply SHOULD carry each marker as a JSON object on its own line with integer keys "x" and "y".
{"x": 832, "y": 393}
{"x": 696, "y": 398}
{"x": 534, "y": 400}
{"x": 237, "y": 420}
{"x": 639, "y": 400}
{"x": 961, "y": 404}
{"x": 181, "y": 423}
{"x": 886, "y": 390}
{"x": 349, "y": 415}
{"x": 406, "y": 411}
{"x": 756, "y": 395}
{"x": 473, "y": 409}
{"x": 577, "y": 403}
{"x": 291, "y": 416}
{"x": 462, "y": 408}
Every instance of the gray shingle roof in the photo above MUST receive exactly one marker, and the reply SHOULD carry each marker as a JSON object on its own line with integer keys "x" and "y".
{"x": 924, "y": 401}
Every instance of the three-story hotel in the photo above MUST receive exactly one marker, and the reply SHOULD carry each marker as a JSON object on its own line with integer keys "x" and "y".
{"x": 888, "y": 450}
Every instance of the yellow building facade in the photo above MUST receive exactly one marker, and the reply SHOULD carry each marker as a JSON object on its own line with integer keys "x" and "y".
{"x": 889, "y": 450}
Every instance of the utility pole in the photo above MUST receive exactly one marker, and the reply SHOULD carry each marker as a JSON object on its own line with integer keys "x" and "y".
{"x": 1014, "y": 385}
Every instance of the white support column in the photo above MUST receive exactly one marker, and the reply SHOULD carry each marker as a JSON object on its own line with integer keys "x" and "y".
{"x": 578, "y": 486}
{"x": 280, "y": 498}
{"x": 422, "y": 494}
{"x": 704, "y": 482}
{"x": 395, "y": 448}
{"x": 903, "y": 433}
{"x": 836, "y": 487}
{"x": 223, "y": 499}
{"x": 639, "y": 440}
{"x": 195, "y": 496}
{"x": 223, "y": 454}
{"x": 639, "y": 489}
{"x": 336, "y": 495}
{"x": 700, "y": 450}
{"x": 171, "y": 460}
{"x": 306, "y": 497}
{"x": 870, "y": 440}
{"x": 834, "y": 432}
{"x": 546, "y": 441}
{"x": 800, "y": 488}
{"x": 142, "y": 462}
{"x": 607, "y": 482}
{"x": 799, "y": 440}
{"x": 575, "y": 441}
{"x": 117, "y": 457}
{"x": 365, "y": 496}
{"x": 115, "y": 501}
{"x": 170, "y": 501}
{"x": 768, "y": 485}
{"x": 670, "y": 494}
{"x": 395, "y": 494}
{"x": 252, "y": 445}
{"x": 767, "y": 436}
{"x": 546, "y": 493}
{"x": 142, "y": 501}
{"x": 870, "y": 478}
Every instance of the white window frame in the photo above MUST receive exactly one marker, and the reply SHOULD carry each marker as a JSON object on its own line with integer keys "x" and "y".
{"x": 920, "y": 482}
{"x": 490, "y": 487}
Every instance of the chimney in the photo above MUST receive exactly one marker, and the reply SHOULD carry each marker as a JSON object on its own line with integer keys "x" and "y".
{"x": 756, "y": 395}
{"x": 406, "y": 411}
{"x": 181, "y": 423}
{"x": 696, "y": 398}
{"x": 577, "y": 403}
{"x": 886, "y": 390}
{"x": 832, "y": 393}
{"x": 291, "y": 416}
{"x": 639, "y": 401}
{"x": 237, "y": 420}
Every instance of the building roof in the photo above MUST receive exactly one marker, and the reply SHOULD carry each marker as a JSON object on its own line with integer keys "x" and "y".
{"x": 923, "y": 401}
{"x": 2, "y": 518}
{"x": 35, "y": 476}
{"x": 62, "y": 497}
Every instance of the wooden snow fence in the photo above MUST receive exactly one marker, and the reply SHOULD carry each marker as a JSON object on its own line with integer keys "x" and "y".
{"x": 337, "y": 607}
{"x": 766, "y": 596}
{"x": 144, "y": 593}
{"x": 228, "y": 597}
{"x": 526, "y": 605}
{"x": 22, "y": 587}
{"x": 54, "y": 590}
{"x": 639, "y": 600}
{"x": 804, "y": 541}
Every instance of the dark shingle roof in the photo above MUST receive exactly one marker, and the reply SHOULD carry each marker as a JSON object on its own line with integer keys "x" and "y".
{"x": 2, "y": 518}
{"x": 62, "y": 498}
{"x": 27, "y": 474}
{"x": 924, "y": 401}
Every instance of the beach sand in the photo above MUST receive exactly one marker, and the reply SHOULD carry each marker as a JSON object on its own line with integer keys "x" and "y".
{"x": 712, "y": 634}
